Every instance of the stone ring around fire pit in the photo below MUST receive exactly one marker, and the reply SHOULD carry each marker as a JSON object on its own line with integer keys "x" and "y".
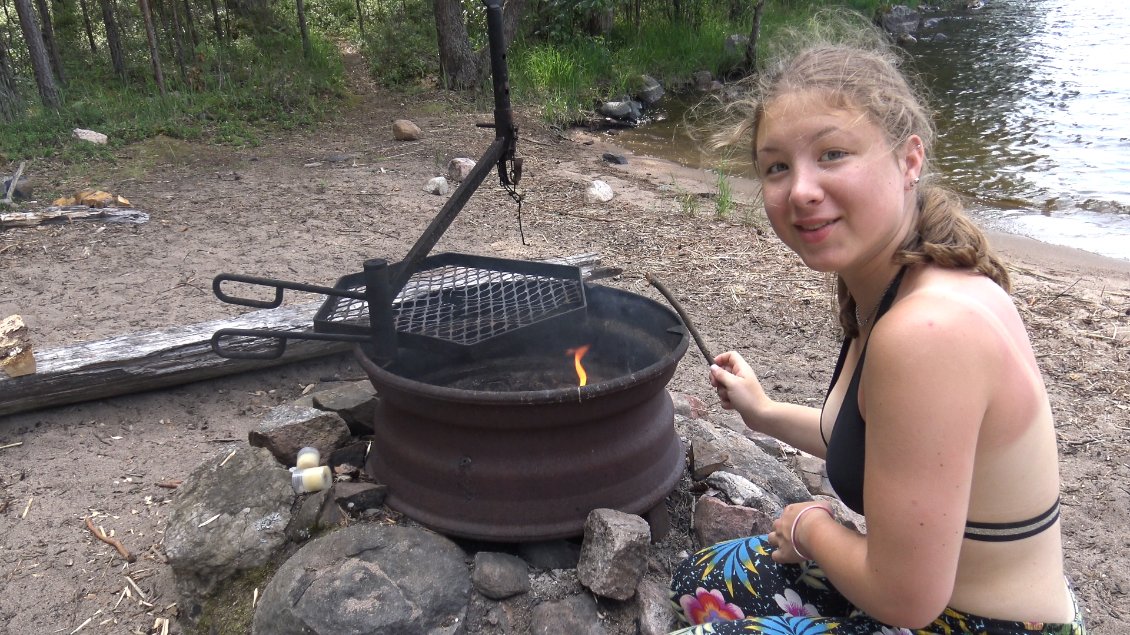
{"x": 506, "y": 446}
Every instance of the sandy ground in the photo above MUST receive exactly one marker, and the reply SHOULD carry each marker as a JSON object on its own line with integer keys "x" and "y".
{"x": 312, "y": 206}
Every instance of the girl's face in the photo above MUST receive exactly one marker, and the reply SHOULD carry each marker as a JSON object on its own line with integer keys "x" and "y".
{"x": 835, "y": 191}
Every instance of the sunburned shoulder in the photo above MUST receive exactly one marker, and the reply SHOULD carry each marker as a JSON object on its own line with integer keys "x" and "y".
{"x": 947, "y": 313}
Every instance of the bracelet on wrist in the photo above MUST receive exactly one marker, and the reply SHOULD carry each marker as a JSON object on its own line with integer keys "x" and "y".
{"x": 796, "y": 521}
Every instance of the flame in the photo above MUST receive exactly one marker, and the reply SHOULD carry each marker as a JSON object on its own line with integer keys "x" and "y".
{"x": 577, "y": 354}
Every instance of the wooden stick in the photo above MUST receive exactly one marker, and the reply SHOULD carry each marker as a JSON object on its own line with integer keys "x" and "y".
{"x": 173, "y": 484}
{"x": 113, "y": 542}
{"x": 683, "y": 315}
{"x": 12, "y": 186}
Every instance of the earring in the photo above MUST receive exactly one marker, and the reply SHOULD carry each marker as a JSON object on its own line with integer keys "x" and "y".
{"x": 916, "y": 180}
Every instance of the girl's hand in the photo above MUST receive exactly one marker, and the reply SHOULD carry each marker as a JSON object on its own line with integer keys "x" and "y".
{"x": 737, "y": 385}
{"x": 787, "y": 529}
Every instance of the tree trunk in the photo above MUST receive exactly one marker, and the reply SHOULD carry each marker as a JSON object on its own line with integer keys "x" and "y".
{"x": 113, "y": 38}
{"x": 49, "y": 40}
{"x": 599, "y": 21}
{"x": 754, "y": 34}
{"x": 360, "y": 20}
{"x": 190, "y": 24}
{"x": 458, "y": 64}
{"x": 154, "y": 55}
{"x": 176, "y": 34}
{"x": 461, "y": 66}
{"x": 306, "y": 50}
{"x": 89, "y": 29}
{"x": 9, "y": 98}
{"x": 48, "y": 93}
{"x": 216, "y": 26}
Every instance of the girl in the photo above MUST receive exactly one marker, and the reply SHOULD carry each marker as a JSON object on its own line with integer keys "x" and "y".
{"x": 936, "y": 425}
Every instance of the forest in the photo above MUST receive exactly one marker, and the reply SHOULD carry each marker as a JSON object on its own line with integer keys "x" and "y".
{"x": 228, "y": 71}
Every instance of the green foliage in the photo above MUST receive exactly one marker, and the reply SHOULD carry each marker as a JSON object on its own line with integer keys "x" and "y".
{"x": 688, "y": 202}
{"x": 564, "y": 80}
{"x": 724, "y": 201}
{"x": 402, "y": 48}
{"x": 253, "y": 76}
{"x": 234, "y": 93}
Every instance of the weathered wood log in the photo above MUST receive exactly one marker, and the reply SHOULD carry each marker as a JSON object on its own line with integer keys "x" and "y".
{"x": 156, "y": 359}
{"x": 172, "y": 356}
{"x": 72, "y": 213}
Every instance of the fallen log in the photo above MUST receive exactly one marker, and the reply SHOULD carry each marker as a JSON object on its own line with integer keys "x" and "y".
{"x": 172, "y": 356}
{"x": 71, "y": 213}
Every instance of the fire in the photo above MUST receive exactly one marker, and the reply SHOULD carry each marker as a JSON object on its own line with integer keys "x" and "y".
{"x": 577, "y": 354}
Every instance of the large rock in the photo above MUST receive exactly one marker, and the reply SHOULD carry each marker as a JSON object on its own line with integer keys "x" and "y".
{"x": 229, "y": 516}
{"x": 96, "y": 138}
{"x": 575, "y": 615}
{"x": 656, "y": 615}
{"x": 290, "y": 427}
{"x": 500, "y": 575}
{"x": 405, "y": 130}
{"x": 715, "y": 521}
{"x": 747, "y": 459}
{"x": 899, "y": 20}
{"x": 598, "y": 192}
{"x": 23, "y": 190}
{"x": 459, "y": 168}
{"x": 368, "y": 578}
{"x": 355, "y": 402}
{"x": 614, "y": 553}
{"x": 647, "y": 90}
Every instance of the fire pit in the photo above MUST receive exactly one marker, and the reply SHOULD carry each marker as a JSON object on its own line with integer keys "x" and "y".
{"x": 515, "y": 399}
{"x": 508, "y": 447}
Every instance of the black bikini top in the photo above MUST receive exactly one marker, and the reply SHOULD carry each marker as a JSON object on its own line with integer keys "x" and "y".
{"x": 845, "y": 455}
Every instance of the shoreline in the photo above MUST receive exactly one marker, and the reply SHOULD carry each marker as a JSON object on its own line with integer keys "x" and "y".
{"x": 1058, "y": 259}
{"x": 1048, "y": 259}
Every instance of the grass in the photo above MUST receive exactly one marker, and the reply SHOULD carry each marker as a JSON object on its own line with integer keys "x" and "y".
{"x": 240, "y": 93}
{"x": 724, "y": 201}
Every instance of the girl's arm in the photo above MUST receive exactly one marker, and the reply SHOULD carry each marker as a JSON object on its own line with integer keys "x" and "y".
{"x": 739, "y": 390}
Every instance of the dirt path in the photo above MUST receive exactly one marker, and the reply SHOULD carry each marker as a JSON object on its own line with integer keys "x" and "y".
{"x": 312, "y": 205}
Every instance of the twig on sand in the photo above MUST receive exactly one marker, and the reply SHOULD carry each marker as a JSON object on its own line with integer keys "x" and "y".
{"x": 173, "y": 484}
{"x": 113, "y": 542}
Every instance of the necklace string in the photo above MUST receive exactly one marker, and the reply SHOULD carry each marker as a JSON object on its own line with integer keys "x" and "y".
{"x": 869, "y": 317}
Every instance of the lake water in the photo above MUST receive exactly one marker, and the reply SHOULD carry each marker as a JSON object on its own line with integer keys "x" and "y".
{"x": 1033, "y": 110}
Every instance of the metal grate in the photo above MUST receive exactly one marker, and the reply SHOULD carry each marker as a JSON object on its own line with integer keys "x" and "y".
{"x": 462, "y": 304}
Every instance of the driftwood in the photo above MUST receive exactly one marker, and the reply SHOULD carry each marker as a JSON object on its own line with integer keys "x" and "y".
{"x": 168, "y": 357}
{"x": 12, "y": 186}
{"x": 72, "y": 213}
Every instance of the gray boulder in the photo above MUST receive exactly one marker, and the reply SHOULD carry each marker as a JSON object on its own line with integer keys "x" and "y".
{"x": 899, "y": 20}
{"x": 575, "y": 615}
{"x": 746, "y": 459}
{"x": 647, "y": 90}
{"x": 368, "y": 578}
{"x": 290, "y": 427}
{"x": 229, "y": 516}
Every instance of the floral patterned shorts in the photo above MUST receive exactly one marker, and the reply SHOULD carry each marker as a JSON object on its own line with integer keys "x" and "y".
{"x": 735, "y": 587}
